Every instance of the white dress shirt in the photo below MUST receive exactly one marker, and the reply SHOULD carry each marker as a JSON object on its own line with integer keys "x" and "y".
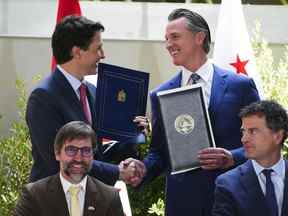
{"x": 75, "y": 83}
{"x": 277, "y": 177}
{"x": 206, "y": 73}
{"x": 81, "y": 195}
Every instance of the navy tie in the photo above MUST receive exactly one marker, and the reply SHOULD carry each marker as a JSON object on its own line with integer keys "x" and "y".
{"x": 194, "y": 78}
{"x": 270, "y": 193}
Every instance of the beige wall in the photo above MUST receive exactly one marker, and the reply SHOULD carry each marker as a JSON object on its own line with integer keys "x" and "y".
{"x": 19, "y": 58}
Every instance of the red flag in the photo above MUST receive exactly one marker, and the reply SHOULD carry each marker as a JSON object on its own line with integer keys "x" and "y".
{"x": 65, "y": 8}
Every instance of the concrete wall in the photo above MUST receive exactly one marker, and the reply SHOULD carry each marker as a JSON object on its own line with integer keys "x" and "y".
{"x": 133, "y": 38}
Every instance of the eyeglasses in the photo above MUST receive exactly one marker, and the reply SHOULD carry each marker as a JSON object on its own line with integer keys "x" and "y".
{"x": 72, "y": 151}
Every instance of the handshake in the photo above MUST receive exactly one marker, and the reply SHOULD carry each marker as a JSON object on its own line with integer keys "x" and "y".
{"x": 132, "y": 171}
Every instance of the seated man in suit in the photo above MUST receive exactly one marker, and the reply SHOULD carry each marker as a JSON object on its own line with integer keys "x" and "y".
{"x": 259, "y": 186}
{"x": 72, "y": 191}
{"x": 64, "y": 96}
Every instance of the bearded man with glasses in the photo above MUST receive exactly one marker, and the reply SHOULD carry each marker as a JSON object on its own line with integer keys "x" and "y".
{"x": 71, "y": 192}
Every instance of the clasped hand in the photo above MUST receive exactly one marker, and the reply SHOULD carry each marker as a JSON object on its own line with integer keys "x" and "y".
{"x": 132, "y": 171}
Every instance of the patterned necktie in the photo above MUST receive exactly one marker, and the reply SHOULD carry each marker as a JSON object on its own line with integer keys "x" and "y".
{"x": 74, "y": 202}
{"x": 194, "y": 78}
{"x": 83, "y": 101}
{"x": 270, "y": 193}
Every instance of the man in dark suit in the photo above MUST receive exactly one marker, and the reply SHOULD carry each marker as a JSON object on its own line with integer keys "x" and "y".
{"x": 259, "y": 186}
{"x": 188, "y": 42}
{"x": 53, "y": 195}
{"x": 64, "y": 96}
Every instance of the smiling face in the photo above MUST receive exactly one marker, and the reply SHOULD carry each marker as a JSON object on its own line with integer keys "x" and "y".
{"x": 184, "y": 46}
{"x": 90, "y": 58}
{"x": 75, "y": 168}
{"x": 260, "y": 143}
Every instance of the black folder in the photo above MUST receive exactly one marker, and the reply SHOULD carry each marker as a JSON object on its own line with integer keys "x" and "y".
{"x": 186, "y": 124}
{"x": 121, "y": 95}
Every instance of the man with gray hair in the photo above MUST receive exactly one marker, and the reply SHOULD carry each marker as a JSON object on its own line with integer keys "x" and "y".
{"x": 188, "y": 43}
{"x": 71, "y": 191}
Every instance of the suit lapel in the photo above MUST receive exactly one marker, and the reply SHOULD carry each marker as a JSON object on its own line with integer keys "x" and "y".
{"x": 285, "y": 195}
{"x": 57, "y": 197}
{"x": 252, "y": 187}
{"x": 175, "y": 82}
{"x": 218, "y": 88}
{"x": 93, "y": 203}
{"x": 66, "y": 91}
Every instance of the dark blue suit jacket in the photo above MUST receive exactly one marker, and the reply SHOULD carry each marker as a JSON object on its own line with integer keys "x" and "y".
{"x": 238, "y": 193}
{"x": 52, "y": 104}
{"x": 191, "y": 193}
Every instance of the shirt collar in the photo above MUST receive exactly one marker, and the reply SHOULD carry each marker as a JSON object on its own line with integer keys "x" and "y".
{"x": 66, "y": 184}
{"x": 205, "y": 72}
{"x": 74, "y": 82}
{"x": 278, "y": 168}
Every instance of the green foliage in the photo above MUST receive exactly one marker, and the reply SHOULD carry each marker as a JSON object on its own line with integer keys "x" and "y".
{"x": 274, "y": 74}
{"x": 157, "y": 208}
{"x": 15, "y": 158}
{"x": 141, "y": 199}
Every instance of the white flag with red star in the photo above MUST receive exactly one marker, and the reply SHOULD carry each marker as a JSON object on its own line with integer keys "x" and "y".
{"x": 232, "y": 49}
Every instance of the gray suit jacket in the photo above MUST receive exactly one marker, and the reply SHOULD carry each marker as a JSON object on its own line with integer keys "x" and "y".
{"x": 46, "y": 197}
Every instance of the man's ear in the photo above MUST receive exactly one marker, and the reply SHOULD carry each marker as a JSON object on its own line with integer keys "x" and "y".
{"x": 75, "y": 52}
{"x": 279, "y": 136}
{"x": 200, "y": 37}
{"x": 57, "y": 155}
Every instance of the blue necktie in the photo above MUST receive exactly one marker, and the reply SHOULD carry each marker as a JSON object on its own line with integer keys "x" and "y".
{"x": 270, "y": 193}
{"x": 194, "y": 78}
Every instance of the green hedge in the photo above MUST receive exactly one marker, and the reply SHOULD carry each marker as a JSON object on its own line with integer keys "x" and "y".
{"x": 15, "y": 158}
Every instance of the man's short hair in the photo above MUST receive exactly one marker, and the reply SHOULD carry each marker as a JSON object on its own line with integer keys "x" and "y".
{"x": 195, "y": 23}
{"x": 74, "y": 130}
{"x": 275, "y": 115}
{"x": 73, "y": 31}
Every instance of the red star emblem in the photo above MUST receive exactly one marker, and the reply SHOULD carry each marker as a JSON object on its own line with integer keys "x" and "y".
{"x": 240, "y": 65}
